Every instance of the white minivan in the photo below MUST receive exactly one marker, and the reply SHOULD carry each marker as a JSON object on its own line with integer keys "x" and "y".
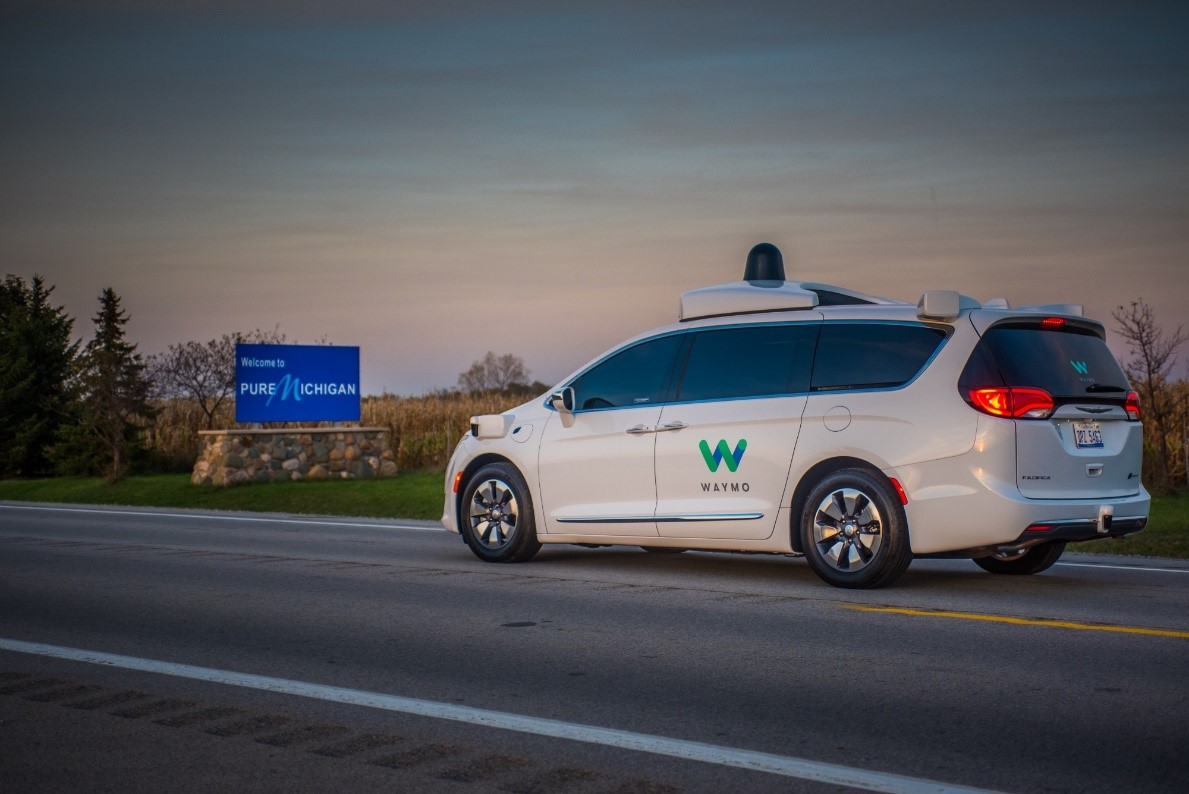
{"x": 802, "y": 418}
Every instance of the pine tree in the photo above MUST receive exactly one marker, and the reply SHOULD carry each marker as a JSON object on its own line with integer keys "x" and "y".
{"x": 115, "y": 392}
{"x": 36, "y": 361}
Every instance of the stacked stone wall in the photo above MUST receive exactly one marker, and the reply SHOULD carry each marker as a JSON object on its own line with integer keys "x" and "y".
{"x": 231, "y": 457}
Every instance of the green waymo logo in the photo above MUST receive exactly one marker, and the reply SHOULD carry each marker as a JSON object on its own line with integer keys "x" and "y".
{"x": 723, "y": 453}
{"x": 1080, "y": 367}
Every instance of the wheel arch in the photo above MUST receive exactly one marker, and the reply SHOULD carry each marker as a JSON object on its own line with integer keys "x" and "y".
{"x": 469, "y": 471}
{"x": 812, "y": 476}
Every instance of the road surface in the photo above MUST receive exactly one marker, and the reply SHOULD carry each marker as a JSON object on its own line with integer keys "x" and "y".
{"x": 150, "y": 649}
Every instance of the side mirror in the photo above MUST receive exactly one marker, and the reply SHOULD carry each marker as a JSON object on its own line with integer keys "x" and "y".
{"x": 563, "y": 400}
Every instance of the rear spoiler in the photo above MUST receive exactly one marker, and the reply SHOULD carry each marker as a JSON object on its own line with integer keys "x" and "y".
{"x": 1075, "y": 309}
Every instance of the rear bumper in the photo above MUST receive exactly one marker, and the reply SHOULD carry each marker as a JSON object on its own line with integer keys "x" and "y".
{"x": 1069, "y": 530}
{"x": 971, "y": 502}
{"x": 1078, "y": 529}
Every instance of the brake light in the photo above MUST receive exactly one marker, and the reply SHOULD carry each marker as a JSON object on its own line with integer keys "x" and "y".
{"x": 1133, "y": 406}
{"x": 1052, "y": 322}
{"x": 1015, "y": 402}
{"x": 996, "y": 402}
{"x": 1032, "y": 403}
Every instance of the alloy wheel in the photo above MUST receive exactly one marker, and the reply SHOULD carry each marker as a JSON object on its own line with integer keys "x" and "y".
{"x": 847, "y": 529}
{"x": 494, "y": 513}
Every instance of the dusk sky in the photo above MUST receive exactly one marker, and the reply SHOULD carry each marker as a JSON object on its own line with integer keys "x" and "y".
{"x": 431, "y": 181}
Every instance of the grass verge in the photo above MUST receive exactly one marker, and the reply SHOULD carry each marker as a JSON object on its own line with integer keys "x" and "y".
{"x": 410, "y": 494}
{"x": 418, "y": 494}
{"x": 1167, "y": 533}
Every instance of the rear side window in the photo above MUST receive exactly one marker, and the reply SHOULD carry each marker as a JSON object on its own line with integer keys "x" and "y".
{"x": 1065, "y": 362}
{"x": 636, "y": 376}
{"x": 749, "y": 362}
{"x": 872, "y": 355}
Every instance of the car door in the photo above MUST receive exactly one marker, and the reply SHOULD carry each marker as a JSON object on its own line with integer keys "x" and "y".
{"x": 725, "y": 442}
{"x": 596, "y": 464}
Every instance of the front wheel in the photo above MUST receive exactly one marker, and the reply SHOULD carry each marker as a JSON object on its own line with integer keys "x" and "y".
{"x": 1022, "y": 563}
{"x": 854, "y": 532}
{"x": 497, "y": 515}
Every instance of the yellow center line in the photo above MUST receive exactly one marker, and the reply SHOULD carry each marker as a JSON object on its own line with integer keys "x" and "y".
{"x": 1056, "y": 624}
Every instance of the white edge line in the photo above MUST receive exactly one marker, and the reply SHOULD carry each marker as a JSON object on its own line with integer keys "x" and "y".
{"x": 217, "y": 517}
{"x": 1122, "y": 567}
{"x": 830, "y": 774}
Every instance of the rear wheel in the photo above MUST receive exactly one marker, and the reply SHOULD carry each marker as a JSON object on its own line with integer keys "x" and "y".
{"x": 854, "y": 531}
{"x": 497, "y": 515}
{"x": 1021, "y": 563}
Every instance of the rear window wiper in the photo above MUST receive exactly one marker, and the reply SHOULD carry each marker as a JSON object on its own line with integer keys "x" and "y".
{"x": 1101, "y": 387}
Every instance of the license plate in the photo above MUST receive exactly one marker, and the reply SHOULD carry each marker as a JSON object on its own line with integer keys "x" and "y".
{"x": 1087, "y": 435}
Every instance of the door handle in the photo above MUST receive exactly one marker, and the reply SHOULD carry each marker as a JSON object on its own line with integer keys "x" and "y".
{"x": 640, "y": 430}
{"x": 671, "y": 426}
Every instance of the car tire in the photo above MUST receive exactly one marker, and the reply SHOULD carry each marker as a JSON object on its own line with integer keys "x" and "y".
{"x": 497, "y": 515}
{"x": 1034, "y": 560}
{"x": 854, "y": 531}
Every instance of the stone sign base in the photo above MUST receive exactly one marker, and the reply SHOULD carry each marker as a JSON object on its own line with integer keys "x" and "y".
{"x": 231, "y": 457}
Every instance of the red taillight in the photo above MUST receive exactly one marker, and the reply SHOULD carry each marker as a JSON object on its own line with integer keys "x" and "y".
{"x": 1133, "y": 406}
{"x": 1016, "y": 402}
{"x": 1032, "y": 403}
{"x": 1052, "y": 322}
{"x": 996, "y": 402}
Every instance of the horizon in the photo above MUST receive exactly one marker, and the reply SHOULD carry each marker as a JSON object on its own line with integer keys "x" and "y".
{"x": 546, "y": 179}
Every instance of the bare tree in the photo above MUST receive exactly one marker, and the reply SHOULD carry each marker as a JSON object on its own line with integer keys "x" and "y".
{"x": 494, "y": 372}
{"x": 204, "y": 372}
{"x": 1153, "y": 357}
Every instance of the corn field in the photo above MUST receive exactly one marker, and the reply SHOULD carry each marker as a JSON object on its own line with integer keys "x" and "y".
{"x": 423, "y": 429}
{"x": 1174, "y": 443}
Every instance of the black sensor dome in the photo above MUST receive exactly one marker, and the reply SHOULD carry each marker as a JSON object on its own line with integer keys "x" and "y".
{"x": 764, "y": 263}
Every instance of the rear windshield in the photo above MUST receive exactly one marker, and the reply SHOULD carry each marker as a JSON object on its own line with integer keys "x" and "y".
{"x": 1066, "y": 362}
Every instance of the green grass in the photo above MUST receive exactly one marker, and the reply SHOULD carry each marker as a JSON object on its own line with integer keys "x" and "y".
{"x": 1167, "y": 533}
{"x": 410, "y": 494}
{"x": 418, "y": 494}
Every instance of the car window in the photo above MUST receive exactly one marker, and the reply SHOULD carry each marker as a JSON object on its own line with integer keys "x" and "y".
{"x": 871, "y": 355}
{"x": 749, "y": 362}
{"x": 638, "y": 375}
{"x": 1065, "y": 362}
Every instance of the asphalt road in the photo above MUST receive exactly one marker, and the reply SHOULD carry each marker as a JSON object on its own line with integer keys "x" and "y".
{"x": 1073, "y": 680}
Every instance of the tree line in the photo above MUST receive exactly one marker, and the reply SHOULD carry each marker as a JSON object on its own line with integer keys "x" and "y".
{"x": 101, "y": 407}
{"x": 66, "y": 407}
